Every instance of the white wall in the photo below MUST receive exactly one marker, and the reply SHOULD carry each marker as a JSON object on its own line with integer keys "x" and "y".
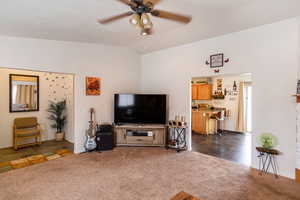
{"x": 118, "y": 67}
{"x": 49, "y": 90}
{"x": 268, "y": 52}
{"x": 298, "y": 105}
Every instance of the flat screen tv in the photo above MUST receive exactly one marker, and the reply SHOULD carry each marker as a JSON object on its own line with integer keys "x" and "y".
{"x": 140, "y": 109}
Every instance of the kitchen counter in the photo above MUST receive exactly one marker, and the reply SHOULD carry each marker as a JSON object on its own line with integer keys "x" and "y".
{"x": 208, "y": 110}
{"x": 202, "y": 122}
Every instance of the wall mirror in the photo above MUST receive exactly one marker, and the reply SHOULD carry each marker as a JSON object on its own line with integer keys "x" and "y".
{"x": 24, "y": 93}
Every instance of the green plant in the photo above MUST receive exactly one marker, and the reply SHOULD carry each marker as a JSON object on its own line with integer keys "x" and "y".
{"x": 57, "y": 115}
{"x": 267, "y": 140}
{"x": 218, "y": 96}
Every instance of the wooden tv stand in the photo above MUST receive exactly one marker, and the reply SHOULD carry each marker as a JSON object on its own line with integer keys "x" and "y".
{"x": 156, "y": 135}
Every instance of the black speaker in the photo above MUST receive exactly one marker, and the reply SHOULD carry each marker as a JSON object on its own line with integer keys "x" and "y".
{"x": 105, "y": 137}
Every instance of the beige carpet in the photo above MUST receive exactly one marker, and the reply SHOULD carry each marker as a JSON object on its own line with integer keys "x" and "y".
{"x": 141, "y": 174}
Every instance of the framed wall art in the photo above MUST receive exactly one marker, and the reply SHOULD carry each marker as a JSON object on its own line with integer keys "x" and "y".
{"x": 93, "y": 86}
{"x": 217, "y": 60}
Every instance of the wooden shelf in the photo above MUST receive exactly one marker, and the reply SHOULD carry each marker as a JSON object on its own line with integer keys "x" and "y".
{"x": 157, "y": 139}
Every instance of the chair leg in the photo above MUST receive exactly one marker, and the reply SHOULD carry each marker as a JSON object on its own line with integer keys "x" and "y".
{"x": 40, "y": 139}
{"x": 15, "y": 143}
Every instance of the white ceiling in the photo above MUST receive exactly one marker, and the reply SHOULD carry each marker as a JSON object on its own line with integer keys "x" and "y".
{"x": 76, "y": 20}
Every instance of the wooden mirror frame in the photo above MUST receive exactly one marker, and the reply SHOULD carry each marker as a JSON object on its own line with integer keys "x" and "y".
{"x": 10, "y": 94}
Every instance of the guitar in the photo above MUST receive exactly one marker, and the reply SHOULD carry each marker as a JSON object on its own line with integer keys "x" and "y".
{"x": 90, "y": 143}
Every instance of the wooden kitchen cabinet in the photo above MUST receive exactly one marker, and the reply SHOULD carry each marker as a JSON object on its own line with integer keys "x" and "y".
{"x": 204, "y": 92}
{"x": 201, "y": 92}
{"x": 194, "y": 92}
{"x": 202, "y": 123}
{"x": 198, "y": 122}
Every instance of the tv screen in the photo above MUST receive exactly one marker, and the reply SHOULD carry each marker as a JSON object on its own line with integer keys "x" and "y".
{"x": 140, "y": 109}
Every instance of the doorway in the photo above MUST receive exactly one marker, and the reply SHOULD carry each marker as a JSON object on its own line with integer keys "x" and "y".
{"x": 222, "y": 116}
{"x": 27, "y": 96}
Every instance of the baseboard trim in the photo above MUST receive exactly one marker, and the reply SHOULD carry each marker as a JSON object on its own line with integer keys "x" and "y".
{"x": 256, "y": 172}
{"x": 298, "y": 175}
{"x": 236, "y": 132}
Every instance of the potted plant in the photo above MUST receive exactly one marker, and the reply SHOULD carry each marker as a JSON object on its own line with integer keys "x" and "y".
{"x": 58, "y": 117}
{"x": 267, "y": 140}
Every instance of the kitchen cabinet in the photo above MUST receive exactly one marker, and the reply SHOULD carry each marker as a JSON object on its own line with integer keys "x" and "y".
{"x": 202, "y": 122}
{"x": 198, "y": 121}
{"x": 194, "y": 92}
{"x": 201, "y": 92}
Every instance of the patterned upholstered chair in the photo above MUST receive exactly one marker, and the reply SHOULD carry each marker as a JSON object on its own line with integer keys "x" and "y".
{"x": 24, "y": 129}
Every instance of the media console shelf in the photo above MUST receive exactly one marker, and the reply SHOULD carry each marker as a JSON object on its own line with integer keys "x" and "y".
{"x": 145, "y": 135}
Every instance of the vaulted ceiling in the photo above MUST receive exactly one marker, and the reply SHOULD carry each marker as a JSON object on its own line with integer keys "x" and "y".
{"x": 76, "y": 20}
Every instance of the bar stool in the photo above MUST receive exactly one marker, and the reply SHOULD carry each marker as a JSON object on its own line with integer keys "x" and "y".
{"x": 211, "y": 123}
{"x": 220, "y": 117}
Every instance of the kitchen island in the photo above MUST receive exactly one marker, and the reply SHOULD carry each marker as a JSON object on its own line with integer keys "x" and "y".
{"x": 204, "y": 120}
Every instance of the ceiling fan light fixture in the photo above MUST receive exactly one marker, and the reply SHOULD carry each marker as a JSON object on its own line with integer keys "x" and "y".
{"x": 135, "y": 19}
{"x": 148, "y": 26}
{"x": 141, "y": 14}
{"x": 145, "y": 32}
{"x": 145, "y": 19}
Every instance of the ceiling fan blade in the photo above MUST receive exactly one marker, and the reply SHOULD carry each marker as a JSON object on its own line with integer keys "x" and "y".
{"x": 114, "y": 18}
{"x": 171, "y": 16}
{"x": 128, "y": 2}
{"x": 154, "y": 2}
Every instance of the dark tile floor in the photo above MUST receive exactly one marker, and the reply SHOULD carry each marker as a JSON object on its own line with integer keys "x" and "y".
{"x": 9, "y": 154}
{"x": 230, "y": 146}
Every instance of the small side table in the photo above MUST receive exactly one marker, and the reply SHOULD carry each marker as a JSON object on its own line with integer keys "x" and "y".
{"x": 177, "y": 138}
{"x": 267, "y": 159}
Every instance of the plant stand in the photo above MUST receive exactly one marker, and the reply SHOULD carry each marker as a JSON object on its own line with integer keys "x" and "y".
{"x": 177, "y": 138}
{"x": 267, "y": 159}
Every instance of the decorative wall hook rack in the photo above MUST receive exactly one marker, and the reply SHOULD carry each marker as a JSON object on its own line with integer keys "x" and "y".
{"x": 217, "y": 71}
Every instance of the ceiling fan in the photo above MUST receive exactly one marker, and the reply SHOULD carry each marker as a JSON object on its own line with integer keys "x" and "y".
{"x": 141, "y": 9}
